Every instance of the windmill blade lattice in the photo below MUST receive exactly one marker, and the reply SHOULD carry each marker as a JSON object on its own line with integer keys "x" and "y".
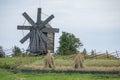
{"x": 38, "y": 32}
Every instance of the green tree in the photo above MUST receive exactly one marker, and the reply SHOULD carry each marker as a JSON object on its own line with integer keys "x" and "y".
{"x": 17, "y": 51}
{"x": 68, "y": 44}
{"x": 92, "y": 52}
{"x": 2, "y": 53}
{"x": 84, "y": 52}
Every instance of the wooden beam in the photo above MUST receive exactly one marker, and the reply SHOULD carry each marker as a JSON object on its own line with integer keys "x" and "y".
{"x": 25, "y": 38}
{"x": 42, "y": 25}
{"x": 39, "y": 16}
{"x": 32, "y": 46}
{"x": 29, "y": 19}
{"x": 23, "y": 27}
{"x": 53, "y": 30}
{"x": 43, "y": 37}
{"x": 42, "y": 45}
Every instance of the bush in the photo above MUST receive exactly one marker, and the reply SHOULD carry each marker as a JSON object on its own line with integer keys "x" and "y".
{"x": 68, "y": 44}
{"x": 2, "y": 53}
{"x": 17, "y": 51}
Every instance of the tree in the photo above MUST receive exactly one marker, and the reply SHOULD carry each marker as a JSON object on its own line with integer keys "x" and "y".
{"x": 92, "y": 52}
{"x": 84, "y": 51}
{"x": 2, "y": 53}
{"x": 16, "y": 51}
{"x": 68, "y": 43}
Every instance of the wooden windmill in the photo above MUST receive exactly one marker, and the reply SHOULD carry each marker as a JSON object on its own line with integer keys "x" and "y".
{"x": 41, "y": 34}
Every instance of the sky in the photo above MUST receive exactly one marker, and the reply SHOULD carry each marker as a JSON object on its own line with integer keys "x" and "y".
{"x": 95, "y": 22}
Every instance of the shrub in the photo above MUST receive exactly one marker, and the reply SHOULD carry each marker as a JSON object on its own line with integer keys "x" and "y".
{"x": 17, "y": 51}
{"x": 2, "y": 53}
{"x": 68, "y": 44}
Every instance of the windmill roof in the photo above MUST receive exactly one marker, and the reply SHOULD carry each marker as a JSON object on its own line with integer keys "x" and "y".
{"x": 48, "y": 26}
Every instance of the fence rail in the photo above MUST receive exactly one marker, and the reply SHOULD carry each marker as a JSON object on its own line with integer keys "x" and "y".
{"x": 115, "y": 54}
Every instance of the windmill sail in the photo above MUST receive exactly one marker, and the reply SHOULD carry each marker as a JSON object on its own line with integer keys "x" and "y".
{"x": 38, "y": 35}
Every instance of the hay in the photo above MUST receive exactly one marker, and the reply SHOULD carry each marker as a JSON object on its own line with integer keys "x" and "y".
{"x": 79, "y": 59}
{"x": 49, "y": 61}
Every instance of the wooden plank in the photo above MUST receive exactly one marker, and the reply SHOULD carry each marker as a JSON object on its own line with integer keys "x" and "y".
{"x": 44, "y": 38}
{"x": 53, "y": 42}
{"x": 53, "y": 30}
{"x": 23, "y": 27}
{"x": 42, "y": 45}
{"x": 39, "y": 16}
{"x": 42, "y": 25}
{"x": 29, "y": 19}
{"x": 37, "y": 42}
{"x": 25, "y": 38}
{"x": 33, "y": 42}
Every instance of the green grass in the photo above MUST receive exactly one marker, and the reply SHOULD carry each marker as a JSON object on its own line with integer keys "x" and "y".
{"x": 17, "y": 61}
{"x": 102, "y": 62}
{"x": 61, "y": 62}
{"x": 4, "y": 75}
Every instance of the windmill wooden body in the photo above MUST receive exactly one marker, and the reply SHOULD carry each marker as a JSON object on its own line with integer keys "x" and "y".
{"x": 41, "y": 34}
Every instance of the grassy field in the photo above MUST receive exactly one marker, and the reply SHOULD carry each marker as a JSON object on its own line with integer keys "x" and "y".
{"x": 4, "y": 75}
{"x": 62, "y": 63}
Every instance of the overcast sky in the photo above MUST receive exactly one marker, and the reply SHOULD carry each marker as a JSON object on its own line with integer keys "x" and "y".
{"x": 95, "y": 22}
